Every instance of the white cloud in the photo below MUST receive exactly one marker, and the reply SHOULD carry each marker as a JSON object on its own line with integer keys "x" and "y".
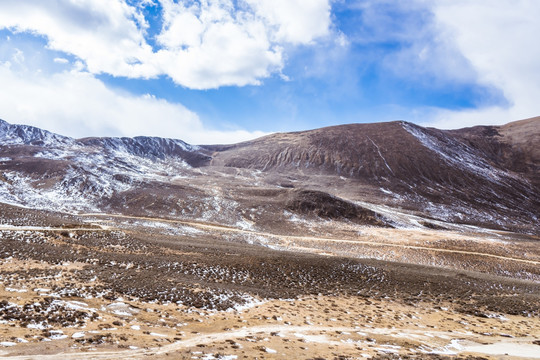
{"x": 295, "y": 21}
{"x": 201, "y": 45}
{"x": 60, "y": 60}
{"x": 499, "y": 39}
{"x": 207, "y": 46}
{"x": 435, "y": 62}
{"x": 426, "y": 54}
{"x": 204, "y": 44}
{"x": 18, "y": 56}
{"x": 106, "y": 34}
{"x": 78, "y": 105}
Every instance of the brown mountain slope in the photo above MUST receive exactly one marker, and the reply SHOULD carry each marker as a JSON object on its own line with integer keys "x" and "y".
{"x": 514, "y": 146}
{"x": 348, "y": 150}
{"x": 476, "y": 168}
{"x": 483, "y": 175}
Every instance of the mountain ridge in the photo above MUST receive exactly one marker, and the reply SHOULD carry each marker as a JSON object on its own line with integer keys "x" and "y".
{"x": 484, "y": 175}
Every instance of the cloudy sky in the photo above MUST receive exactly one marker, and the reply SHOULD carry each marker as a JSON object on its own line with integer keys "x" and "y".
{"x": 222, "y": 71}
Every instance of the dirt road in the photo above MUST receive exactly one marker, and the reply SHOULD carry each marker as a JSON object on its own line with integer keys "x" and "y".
{"x": 229, "y": 229}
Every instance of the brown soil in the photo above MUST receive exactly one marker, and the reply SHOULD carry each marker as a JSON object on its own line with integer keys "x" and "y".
{"x": 132, "y": 289}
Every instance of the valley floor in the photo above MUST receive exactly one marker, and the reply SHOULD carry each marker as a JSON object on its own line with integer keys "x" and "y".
{"x": 119, "y": 287}
{"x": 305, "y": 328}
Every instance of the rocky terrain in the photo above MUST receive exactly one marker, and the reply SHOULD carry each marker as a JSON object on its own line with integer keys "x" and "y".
{"x": 383, "y": 241}
{"x": 485, "y": 176}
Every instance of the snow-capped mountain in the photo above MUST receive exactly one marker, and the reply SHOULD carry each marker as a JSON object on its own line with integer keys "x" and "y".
{"x": 29, "y": 135}
{"x": 484, "y": 176}
{"x": 45, "y": 170}
{"x": 153, "y": 148}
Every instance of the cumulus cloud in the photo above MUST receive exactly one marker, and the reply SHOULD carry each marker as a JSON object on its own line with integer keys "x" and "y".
{"x": 76, "y": 104}
{"x": 499, "y": 41}
{"x": 198, "y": 44}
{"x": 202, "y": 44}
{"x": 209, "y": 44}
{"x": 106, "y": 34}
{"x": 294, "y": 21}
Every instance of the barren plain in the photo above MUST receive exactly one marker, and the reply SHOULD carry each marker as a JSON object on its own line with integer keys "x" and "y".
{"x": 101, "y": 286}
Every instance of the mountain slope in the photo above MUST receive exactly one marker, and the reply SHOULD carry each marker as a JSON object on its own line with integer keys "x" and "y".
{"x": 45, "y": 170}
{"x": 384, "y": 150}
{"x": 485, "y": 176}
{"x": 29, "y": 135}
{"x": 152, "y": 148}
{"x": 514, "y": 146}
{"x": 460, "y": 175}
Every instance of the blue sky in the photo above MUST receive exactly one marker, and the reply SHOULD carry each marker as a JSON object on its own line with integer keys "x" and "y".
{"x": 221, "y": 71}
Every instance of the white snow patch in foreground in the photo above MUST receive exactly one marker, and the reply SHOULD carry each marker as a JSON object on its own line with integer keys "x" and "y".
{"x": 39, "y": 326}
{"x": 450, "y": 349}
{"x": 322, "y": 339}
{"x": 16, "y": 290}
{"x": 528, "y": 351}
{"x": 220, "y": 357}
{"x": 157, "y": 334}
{"x": 251, "y": 302}
{"x": 122, "y": 309}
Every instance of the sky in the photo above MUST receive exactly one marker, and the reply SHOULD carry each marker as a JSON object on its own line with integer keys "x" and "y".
{"x": 224, "y": 71}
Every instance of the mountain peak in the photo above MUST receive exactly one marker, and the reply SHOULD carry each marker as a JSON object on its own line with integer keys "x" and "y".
{"x": 11, "y": 134}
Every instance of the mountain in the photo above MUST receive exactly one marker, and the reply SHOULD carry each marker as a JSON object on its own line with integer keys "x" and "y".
{"x": 152, "y": 148}
{"x": 365, "y": 173}
{"x": 45, "y": 170}
{"x": 29, "y": 135}
{"x": 485, "y": 173}
{"x": 513, "y": 146}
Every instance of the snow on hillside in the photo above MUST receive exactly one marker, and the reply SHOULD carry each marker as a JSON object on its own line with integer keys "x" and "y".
{"x": 29, "y": 135}
{"x": 92, "y": 170}
{"x": 456, "y": 153}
